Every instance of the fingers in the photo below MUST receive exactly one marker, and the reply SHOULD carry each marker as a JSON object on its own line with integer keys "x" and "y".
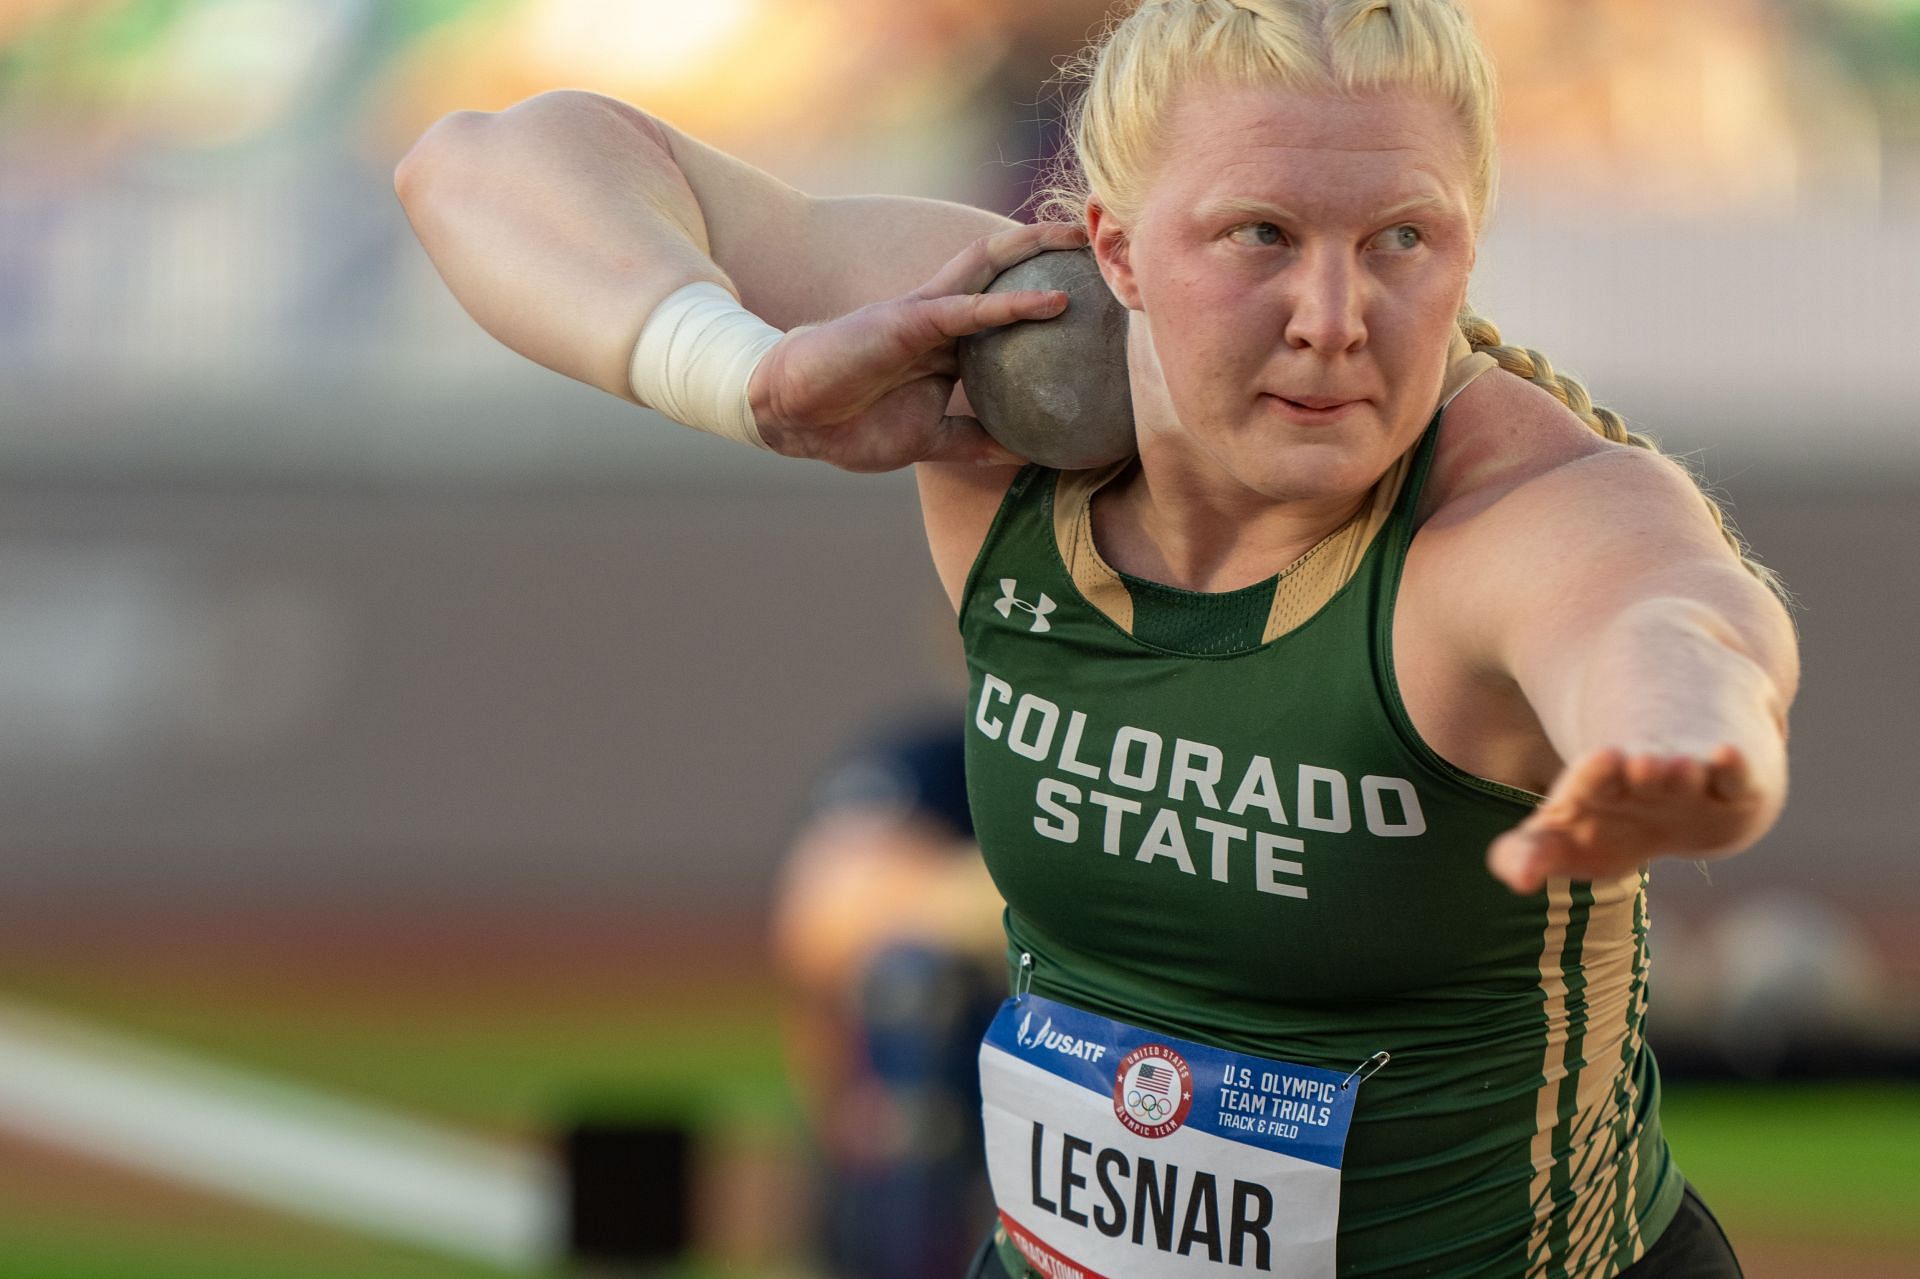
{"x": 1647, "y": 772}
{"x": 947, "y": 318}
{"x": 964, "y": 440}
{"x": 1510, "y": 860}
{"x": 1525, "y": 857}
{"x": 1540, "y": 848}
{"x": 1728, "y": 777}
{"x": 1612, "y": 776}
{"x": 1601, "y": 777}
{"x": 943, "y": 361}
{"x": 976, "y": 266}
{"x": 1612, "y": 810}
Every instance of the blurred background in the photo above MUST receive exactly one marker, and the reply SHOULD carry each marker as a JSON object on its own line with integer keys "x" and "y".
{"x": 398, "y": 738}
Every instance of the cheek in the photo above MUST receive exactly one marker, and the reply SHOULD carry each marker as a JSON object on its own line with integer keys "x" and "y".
{"x": 1189, "y": 334}
{"x": 1439, "y": 296}
{"x": 1418, "y": 324}
{"x": 1205, "y": 364}
{"x": 1215, "y": 330}
{"x": 1207, "y": 331}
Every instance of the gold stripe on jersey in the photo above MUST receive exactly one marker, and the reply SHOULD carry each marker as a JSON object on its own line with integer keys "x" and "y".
{"x": 1553, "y": 1068}
{"x": 1302, "y": 589}
{"x": 1592, "y": 1033}
{"x": 1073, "y": 534}
{"x": 1627, "y": 1245}
{"x": 1610, "y": 958}
{"x": 1309, "y": 582}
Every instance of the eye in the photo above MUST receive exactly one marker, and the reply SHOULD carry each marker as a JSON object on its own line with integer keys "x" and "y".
{"x": 1399, "y": 239}
{"x": 1257, "y": 233}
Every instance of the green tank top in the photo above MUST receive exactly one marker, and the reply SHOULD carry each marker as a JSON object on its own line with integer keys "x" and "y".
{"x": 1238, "y": 838}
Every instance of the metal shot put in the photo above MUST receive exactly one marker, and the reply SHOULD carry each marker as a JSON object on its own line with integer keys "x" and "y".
{"x": 1055, "y": 391}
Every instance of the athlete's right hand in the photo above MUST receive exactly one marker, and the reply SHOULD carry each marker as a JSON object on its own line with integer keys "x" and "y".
{"x": 870, "y": 391}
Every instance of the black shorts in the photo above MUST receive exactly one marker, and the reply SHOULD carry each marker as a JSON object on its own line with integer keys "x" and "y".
{"x": 1691, "y": 1247}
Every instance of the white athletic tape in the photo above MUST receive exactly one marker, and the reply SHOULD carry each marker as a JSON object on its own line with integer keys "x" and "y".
{"x": 276, "y": 1143}
{"x": 694, "y": 358}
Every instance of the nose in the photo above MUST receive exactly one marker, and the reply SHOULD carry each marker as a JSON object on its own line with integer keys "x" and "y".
{"x": 1327, "y": 313}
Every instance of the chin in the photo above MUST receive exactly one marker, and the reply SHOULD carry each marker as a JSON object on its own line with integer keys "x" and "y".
{"x": 1311, "y": 469}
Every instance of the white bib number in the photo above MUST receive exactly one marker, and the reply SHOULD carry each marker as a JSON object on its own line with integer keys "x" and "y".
{"x": 1118, "y": 1153}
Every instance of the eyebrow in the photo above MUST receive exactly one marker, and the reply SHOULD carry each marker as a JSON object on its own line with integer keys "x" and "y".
{"x": 1240, "y": 204}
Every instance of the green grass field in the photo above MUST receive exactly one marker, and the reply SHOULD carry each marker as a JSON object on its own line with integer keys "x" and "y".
{"x": 1835, "y": 1163}
{"x": 1831, "y": 1171}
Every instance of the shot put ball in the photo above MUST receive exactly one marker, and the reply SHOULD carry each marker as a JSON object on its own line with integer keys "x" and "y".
{"x": 1055, "y": 391}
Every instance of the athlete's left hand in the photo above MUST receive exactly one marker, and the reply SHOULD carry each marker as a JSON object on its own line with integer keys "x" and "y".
{"x": 1612, "y": 812}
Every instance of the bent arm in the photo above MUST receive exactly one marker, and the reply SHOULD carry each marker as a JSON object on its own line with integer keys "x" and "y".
{"x": 561, "y": 222}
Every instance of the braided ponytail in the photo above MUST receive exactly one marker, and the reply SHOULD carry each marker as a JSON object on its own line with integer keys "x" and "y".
{"x": 1530, "y": 364}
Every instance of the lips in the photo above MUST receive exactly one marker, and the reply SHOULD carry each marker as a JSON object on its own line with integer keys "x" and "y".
{"x": 1314, "y": 410}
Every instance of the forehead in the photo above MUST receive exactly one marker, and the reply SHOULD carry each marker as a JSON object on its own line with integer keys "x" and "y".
{"x": 1311, "y": 150}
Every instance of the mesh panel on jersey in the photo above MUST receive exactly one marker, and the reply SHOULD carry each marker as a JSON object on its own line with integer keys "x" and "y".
{"x": 1206, "y": 624}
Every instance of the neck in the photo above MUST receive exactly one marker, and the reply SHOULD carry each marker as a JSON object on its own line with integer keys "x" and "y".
{"x": 1177, "y": 517}
{"x": 1167, "y": 522}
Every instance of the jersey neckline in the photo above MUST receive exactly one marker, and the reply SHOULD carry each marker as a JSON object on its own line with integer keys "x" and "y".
{"x": 1304, "y": 590}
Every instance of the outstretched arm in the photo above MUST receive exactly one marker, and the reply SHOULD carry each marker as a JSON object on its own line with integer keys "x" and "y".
{"x": 1659, "y": 667}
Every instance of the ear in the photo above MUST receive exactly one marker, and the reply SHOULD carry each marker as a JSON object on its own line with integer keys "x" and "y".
{"x": 1113, "y": 251}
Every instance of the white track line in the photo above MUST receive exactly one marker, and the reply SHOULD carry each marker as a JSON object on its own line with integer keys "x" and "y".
{"x": 276, "y": 1143}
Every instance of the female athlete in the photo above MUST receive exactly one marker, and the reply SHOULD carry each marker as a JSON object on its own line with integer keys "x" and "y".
{"x": 1337, "y": 728}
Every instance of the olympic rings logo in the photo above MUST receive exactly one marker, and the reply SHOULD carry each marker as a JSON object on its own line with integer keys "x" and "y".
{"x": 1149, "y": 1106}
{"x": 1152, "y": 1090}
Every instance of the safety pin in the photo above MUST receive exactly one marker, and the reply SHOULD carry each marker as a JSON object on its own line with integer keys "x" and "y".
{"x": 1023, "y": 980}
{"x": 1366, "y": 1070}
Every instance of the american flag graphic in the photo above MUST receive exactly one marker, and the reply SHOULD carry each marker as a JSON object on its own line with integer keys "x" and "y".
{"x": 1154, "y": 1077}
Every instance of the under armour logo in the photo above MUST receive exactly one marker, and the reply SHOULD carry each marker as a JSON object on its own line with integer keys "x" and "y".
{"x": 1007, "y": 603}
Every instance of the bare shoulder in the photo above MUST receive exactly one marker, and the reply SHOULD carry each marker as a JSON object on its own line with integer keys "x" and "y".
{"x": 1498, "y": 435}
{"x": 1517, "y": 474}
{"x": 1537, "y": 524}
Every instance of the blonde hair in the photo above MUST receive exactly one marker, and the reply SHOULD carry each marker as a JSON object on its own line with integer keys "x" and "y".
{"x": 1123, "y": 86}
{"x": 1139, "y": 64}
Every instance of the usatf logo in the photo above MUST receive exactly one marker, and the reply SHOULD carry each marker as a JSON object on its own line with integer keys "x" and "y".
{"x": 1057, "y": 1041}
{"x": 1007, "y": 603}
{"x": 1152, "y": 1090}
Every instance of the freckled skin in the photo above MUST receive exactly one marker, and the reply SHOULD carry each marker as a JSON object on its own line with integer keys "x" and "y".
{"x": 1310, "y": 284}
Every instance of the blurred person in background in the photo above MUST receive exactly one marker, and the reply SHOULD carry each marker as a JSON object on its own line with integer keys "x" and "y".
{"x": 1478, "y": 652}
{"x": 886, "y": 930}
